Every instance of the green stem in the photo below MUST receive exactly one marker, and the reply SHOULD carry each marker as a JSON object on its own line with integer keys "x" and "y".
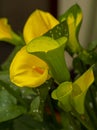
{"x": 92, "y": 116}
{"x": 91, "y": 110}
{"x": 73, "y": 122}
{"x": 52, "y": 111}
{"x": 93, "y": 98}
{"x": 85, "y": 120}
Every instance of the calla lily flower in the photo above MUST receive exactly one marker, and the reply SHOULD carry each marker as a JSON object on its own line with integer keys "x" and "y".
{"x": 37, "y": 24}
{"x": 7, "y": 34}
{"x": 27, "y": 70}
{"x": 5, "y": 29}
{"x": 52, "y": 52}
{"x": 72, "y": 95}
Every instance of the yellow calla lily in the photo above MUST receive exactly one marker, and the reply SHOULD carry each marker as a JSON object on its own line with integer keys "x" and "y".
{"x": 28, "y": 70}
{"x": 37, "y": 24}
{"x": 7, "y": 34}
{"x": 5, "y": 29}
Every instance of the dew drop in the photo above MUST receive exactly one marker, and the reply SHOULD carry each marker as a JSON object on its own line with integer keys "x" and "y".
{"x": 35, "y": 110}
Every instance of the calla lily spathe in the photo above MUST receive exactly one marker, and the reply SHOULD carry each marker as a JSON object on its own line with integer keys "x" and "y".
{"x": 7, "y": 34}
{"x": 27, "y": 70}
{"x": 37, "y": 24}
{"x": 5, "y": 29}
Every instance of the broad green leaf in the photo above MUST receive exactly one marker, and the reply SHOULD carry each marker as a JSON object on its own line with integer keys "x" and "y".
{"x": 26, "y": 122}
{"x": 8, "y": 106}
{"x": 4, "y": 76}
{"x": 35, "y": 109}
{"x": 60, "y": 30}
{"x": 38, "y": 103}
{"x": 73, "y": 16}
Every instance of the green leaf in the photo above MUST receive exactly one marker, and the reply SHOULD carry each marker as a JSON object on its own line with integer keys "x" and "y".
{"x": 38, "y": 103}
{"x": 8, "y": 106}
{"x": 60, "y": 30}
{"x": 35, "y": 109}
{"x": 92, "y": 45}
{"x": 4, "y": 76}
{"x": 26, "y": 122}
{"x": 88, "y": 58}
{"x": 69, "y": 122}
{"x": 73, "y": 16}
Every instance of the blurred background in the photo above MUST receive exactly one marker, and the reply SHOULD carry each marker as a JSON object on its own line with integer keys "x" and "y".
{"x": 17, "y": 11}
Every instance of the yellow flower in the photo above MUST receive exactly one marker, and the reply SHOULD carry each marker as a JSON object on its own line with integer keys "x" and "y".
{"x": 5, "y": 29}
{"x": 7, "y": 34}
{"x": 37, "y": 24}
{"x": 27, "y": 70}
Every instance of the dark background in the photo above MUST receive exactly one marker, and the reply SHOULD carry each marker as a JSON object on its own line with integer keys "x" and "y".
{"x": 17, "y": 11}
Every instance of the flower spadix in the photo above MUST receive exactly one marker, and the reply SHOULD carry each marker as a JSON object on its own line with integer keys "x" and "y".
{"x": 27, "y": 70}
{"x": 52, "y": 52}
{"x": 72, "y": 95}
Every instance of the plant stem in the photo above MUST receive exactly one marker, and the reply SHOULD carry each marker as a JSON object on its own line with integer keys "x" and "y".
{"x": 93, "y": 98}
{"x": 92, "y": 116}
{"x": 91, "y": 110}
{"x": 52, "y": 111}
{"x": 73, "y": 122}
{"x": 85, "y": 120}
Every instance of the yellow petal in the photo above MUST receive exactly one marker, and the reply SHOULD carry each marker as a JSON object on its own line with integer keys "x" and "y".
{"x": 85, "y": 80}
{"x": 27, "y": 70}
{"x": 5, "y": 29}
{"x": 37, "y": 24}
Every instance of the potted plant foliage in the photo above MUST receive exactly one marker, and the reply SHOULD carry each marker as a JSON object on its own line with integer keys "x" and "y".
{"x": 37, "y": 89}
